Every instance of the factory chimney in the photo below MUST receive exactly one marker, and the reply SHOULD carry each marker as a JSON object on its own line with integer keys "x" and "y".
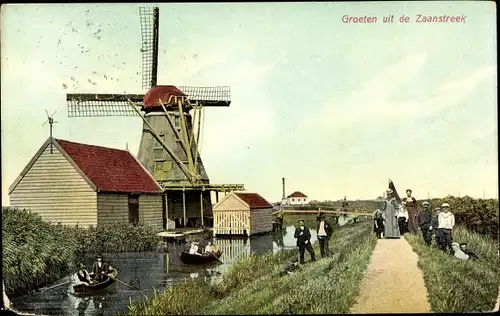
{"x": 283, "y": 181}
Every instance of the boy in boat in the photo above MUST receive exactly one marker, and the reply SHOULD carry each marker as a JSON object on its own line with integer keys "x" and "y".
{"x": 82, "y": 276}
{"x": 101, "y": 269}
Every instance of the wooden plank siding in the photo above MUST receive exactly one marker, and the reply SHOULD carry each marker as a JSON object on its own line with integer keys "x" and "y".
{"x": 151, "y": 210}
{"x": 261, "y": 221}
{"x": 231, "y": 217}
{"x": 56, "y": 191}
{"x": 112, "y": 208}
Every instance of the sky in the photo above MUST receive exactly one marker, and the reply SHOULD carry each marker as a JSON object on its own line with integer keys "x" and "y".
{"x": 335, "y": 108}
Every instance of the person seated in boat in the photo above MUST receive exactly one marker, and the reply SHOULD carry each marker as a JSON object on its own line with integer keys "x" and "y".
{"x": 101, "y": 269}
{"x": 82, "y": 276}
{"x": 209, "y": 248}
{"x": 194, "y": 249}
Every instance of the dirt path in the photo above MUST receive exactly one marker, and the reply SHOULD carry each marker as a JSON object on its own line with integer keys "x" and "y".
{"x": 393, "y": 282}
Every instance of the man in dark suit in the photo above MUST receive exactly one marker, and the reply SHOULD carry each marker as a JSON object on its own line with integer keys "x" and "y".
{"x": 303, "y": 236}
{"x": 324, "y": 230}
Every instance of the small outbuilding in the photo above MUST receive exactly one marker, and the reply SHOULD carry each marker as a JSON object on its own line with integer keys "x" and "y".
{"x": 242, "y": 214}
{"x": 82, "y": 184}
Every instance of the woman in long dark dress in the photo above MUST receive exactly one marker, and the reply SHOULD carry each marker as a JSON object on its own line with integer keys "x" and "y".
{"x": 378, "y": 223}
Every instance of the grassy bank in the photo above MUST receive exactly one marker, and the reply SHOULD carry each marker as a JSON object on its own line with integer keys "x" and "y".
{"x": 36, "y": 253}
{"x": 253, "y": 285}
{"x": 456, "y": 285}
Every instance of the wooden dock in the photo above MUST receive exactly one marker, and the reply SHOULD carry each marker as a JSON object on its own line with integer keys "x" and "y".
{"x": 182, "y": 234}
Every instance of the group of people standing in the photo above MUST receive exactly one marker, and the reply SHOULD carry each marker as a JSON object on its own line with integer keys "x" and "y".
{"x": 396, "y": 219}
{"x": 324, "y": 229}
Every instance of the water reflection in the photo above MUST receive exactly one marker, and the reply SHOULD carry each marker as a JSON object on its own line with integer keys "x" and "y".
{"x": 145, "y": 271}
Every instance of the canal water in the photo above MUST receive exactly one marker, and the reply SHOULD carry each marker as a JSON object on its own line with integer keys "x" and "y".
{"x": 145, "y": 271}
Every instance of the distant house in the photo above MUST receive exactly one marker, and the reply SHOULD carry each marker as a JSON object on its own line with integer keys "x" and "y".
{"x": 242, "y": 214}
{"x": 297, "y": 198}
{"x": 75, "y": 183}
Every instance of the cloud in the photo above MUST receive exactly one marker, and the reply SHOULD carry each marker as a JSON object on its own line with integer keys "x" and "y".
{"x": 374, "y": 101}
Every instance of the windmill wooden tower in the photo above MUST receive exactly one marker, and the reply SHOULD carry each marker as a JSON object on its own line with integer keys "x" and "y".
{"x": 169, "y": 145}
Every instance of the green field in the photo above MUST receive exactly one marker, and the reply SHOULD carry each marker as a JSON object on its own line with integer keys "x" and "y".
{"x": 460, "y": 285}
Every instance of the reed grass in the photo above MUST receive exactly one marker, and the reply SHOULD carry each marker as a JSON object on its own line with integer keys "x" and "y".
{"x": 254, "y": 285}
{"x": 456, "y": 285}
{"x": 37, "y": 253}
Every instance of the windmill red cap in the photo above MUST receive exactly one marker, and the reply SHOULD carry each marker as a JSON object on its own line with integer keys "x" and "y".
{"x": 163, "y": 93}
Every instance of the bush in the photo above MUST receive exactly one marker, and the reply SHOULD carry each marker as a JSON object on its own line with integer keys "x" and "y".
{"x": 34, "y": 252}
{"x": 456, "y": 285}
{"x": 477, "y": 215}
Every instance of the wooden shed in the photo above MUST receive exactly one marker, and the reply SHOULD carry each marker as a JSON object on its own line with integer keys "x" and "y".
{"x": 75, "y": 183}
{"x": 242, "y": 214}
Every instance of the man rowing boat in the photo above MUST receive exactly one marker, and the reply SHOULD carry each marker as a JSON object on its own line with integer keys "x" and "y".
{"x": 101, "y": 269}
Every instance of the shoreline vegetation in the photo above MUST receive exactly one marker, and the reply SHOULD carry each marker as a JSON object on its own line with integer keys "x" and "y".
{"x": 37, "y": 253}
{"x": 254, "y": 285}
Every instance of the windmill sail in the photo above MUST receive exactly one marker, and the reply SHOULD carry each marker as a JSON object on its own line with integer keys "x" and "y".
{"x": 395, "y": 192}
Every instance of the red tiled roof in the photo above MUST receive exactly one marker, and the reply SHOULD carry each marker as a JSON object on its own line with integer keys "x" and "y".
{"x": 111, "y": 170}
{"x": 163, "y": 93}
{"x": 297, "y": 194}
{"x": 254, "y": 200}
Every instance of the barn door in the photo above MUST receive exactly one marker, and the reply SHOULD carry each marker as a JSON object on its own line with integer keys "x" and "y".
{"x": 133, "y": 210}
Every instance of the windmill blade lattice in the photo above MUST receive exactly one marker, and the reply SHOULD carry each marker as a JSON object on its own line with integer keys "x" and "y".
{"x": 149, "y": 33}
{"x": 96, "y": 105}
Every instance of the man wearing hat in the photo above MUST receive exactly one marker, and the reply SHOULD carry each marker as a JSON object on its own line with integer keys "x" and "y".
{"x": 425, "y": 222}
{"x": 324, "y": 230}
{"x": 303, "y": 236}
{"x": 446, "y": 221}
{"x": 100, "y": 269}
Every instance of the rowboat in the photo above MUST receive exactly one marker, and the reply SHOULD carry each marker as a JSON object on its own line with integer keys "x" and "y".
{"x": 93, "y": 288}
{"x": 198, "y": 259}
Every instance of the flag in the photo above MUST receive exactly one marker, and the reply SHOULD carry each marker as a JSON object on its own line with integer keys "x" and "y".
{"x": 395, "y": 192}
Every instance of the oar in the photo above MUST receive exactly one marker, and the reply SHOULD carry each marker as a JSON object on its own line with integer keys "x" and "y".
{"x": 53, "y": 287}
{"x": 216, "y": 257}
{"x": 116, "y": 279}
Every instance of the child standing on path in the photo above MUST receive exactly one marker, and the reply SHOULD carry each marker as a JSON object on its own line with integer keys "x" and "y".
{"x": 446, "y": 221}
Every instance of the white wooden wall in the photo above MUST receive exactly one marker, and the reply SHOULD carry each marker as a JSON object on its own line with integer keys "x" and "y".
{"x": 231, "y": 222}
{"x": 56, "y": 191}
{"x": 231, "y": 217}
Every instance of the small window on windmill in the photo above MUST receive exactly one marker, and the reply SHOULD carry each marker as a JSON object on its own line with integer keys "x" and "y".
{"x": 177, "y": 120}
{"x": 157, "y": 144}
{"x": 158, "y": 171}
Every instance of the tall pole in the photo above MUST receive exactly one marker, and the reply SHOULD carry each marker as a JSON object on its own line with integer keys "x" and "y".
{"x": 51, "y": 121}
{"x": 201, "y": 208}
{"x": 184, "y": 206}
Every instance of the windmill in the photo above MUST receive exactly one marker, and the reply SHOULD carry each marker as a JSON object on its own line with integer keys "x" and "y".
{"x": 169, "y": 146}
{"x": 50, "y": 120}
